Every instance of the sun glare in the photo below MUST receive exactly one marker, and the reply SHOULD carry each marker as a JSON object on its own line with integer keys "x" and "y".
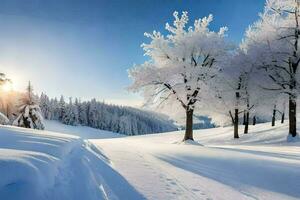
{"x": 8, "y": 86}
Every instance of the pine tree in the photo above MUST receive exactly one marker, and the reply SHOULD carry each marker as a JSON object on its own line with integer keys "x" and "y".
{"x": 71, "y": 114}
{"x": 55, "y": 111}
{"x": 45, "y": 106}
{"x": 61, "y": 108}
{"x": 30, "y": 115}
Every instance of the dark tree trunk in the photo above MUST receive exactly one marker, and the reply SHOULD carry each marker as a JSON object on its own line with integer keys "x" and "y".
{"x": 236, "y": 112}
{"x": 246, "y": 123}
{"x": 26, "y": 122}
{"x": 292, "y": 117}
{"x": 7, "y": 111}
{"x": 189, "y": 125}
{"x": 254, "y": 120}
{"x": 293, "y": 64}
{"x": 232, "y": 118}
{"x": 274, "y": 116}
{"x": 236, "y": 123}
{"x": 282, "y": 118}
{"x": 244, "y": 118}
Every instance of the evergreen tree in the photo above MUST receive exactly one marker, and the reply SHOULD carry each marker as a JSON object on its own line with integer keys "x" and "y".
{"x": 61, "y": 108}
{"x": 54, "y": 109}
{"x": 45, "y": 106}
{"x": 29, "y": 111}
{"x": 71, "y": 114}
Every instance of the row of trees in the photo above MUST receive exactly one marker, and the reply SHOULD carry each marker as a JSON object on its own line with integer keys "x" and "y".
{"x": 120, "y": 119}
{"x": 28, "y": 110}
{"x": 200, "y": 71}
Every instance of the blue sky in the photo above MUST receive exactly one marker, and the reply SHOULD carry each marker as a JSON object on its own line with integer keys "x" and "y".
{"x": 82, "y": 48}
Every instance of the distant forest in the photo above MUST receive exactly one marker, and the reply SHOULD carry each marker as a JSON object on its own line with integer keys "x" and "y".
{"x": 95, "y": 114}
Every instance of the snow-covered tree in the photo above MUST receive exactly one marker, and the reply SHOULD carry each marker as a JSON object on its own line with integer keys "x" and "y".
{"x": 55, "y": 109}
{"x": 6, "y": 104}
{"x": 29, "y": 111}
{"x": 92, "y": 113}
{"x": 71, "y": 114}
{"x": 124, "y": 120}
{"x": 45, "y": 106}
{"x": 235, "y": 95}
{"x": 273, "y": 44}
{"x": 82, "y": 115}
{"x": 228, "y": 98}
{"x": 3, "y": 119}
{"x": 181, "y": 63}
{"x": 61, "y": 108}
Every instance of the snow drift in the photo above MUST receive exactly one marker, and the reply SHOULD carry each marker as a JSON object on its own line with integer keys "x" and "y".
{"x": 46, "y": 165}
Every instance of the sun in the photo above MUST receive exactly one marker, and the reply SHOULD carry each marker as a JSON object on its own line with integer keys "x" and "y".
{"x": 7, "y": 86}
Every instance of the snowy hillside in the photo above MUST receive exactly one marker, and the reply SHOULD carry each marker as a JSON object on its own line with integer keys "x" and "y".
{"x": 47, "y": 165}
{"x": 93, "y": 164}
{"x": 81, "y": 131}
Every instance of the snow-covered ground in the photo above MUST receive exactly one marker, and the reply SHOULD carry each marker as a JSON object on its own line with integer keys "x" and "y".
{"x": 81, "y": 131}
{"x": 96, "y": 164}
{"x": 260, "y": 165}
{"x": 37, "y": 165}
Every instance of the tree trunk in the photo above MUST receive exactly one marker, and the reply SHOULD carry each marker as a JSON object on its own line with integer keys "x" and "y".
{"x": 274, "y": 116}
{"x": 244, "y": 118}
{"x": 246, "y": 123}
{"x": 292, "y": 117}
{"x": 236, "y": 123}
{"x": 189, "y": 125}
{"x": 232, "y": 119}
{"x": 282, "y": 118}
{"x": 254, "y": 120}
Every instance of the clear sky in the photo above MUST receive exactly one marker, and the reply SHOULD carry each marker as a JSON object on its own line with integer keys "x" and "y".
{"x": 83, "y": 48}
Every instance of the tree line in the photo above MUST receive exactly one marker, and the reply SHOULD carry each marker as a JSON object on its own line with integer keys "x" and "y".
{"x": 95, "y": 114}
{"x": 26, "y": 109}
{"x": 199, "y": 70}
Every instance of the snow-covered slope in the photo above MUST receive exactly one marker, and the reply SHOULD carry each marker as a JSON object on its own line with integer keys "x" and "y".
{"x": 94, "y": 164}
{"x": 260, "y": 165}
{"x": 84, "y": 132}
{"x": 37, "y": 165}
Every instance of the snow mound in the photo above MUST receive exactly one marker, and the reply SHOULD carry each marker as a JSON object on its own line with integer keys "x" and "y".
{"x": 188, "y": 142}
{"x": 40, "y": 165}
{"x": 293, "y": 139}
